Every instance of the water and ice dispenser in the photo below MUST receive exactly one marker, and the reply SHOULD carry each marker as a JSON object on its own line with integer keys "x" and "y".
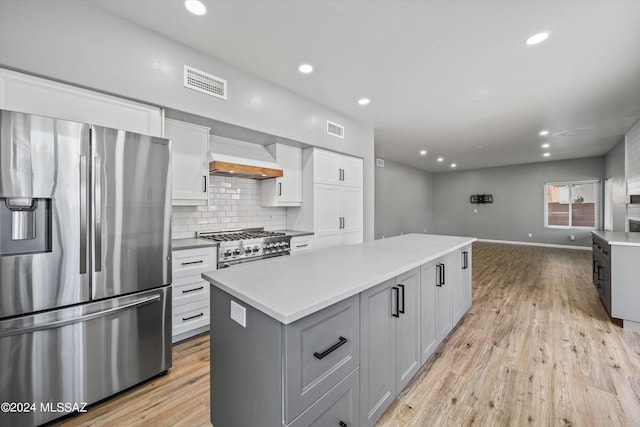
{"x": 25, "y": 225}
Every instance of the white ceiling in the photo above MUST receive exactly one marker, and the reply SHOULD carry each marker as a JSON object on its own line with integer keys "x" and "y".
{"x": 452, "y": 77}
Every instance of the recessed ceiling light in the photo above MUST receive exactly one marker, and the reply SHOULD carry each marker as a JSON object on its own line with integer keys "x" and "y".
{"x": 305, "y": 68}
{"x": 364, "y": 101}
{"x": 195, "y": 6}
{"x": 546, "y": 154}
{"x": 423, "y": 152}
{"x": 544, "y": 132}
{"x": 546, "y": 145}
{"x": 536, "y": 38}
{"x": 440, "y": 159}
{"x": 453, "y": 165}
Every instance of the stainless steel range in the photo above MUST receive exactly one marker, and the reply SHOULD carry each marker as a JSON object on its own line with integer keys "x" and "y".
{"x": 252, "y": 244}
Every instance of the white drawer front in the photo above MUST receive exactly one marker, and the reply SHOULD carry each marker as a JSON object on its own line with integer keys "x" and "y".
{"x": 190, "y": 316}
{"x": 193, "y": 261}
{"x": 189, "y": 289}
{"x": 301, "y": 245}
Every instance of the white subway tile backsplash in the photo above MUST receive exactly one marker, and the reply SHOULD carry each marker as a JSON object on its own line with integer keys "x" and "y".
{"x": 233, "y": 203}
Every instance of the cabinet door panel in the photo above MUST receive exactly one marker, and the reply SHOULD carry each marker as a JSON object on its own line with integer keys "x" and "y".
{"x": 428, "y": 310}
{"x": 326, "y": 216}
{"x": 326, "y": 167}
{"x": 189, "y": 162}
{"x": 351, "y": 171}
{"x": 408, "y": 328}
{"x": 378, "y": 352}
{"x": 444, "y": 303}
{"x": 290, "y": 158}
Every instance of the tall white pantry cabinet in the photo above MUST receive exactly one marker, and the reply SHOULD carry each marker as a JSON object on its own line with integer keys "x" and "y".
{"x": 332, "y": 205}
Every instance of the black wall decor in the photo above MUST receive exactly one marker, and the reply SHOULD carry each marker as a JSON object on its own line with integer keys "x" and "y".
{"x": 481, "y": 199}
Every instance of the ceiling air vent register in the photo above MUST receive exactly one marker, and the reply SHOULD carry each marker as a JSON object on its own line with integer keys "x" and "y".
{"x": 335, "y": 129}
{"x": 204, "y": 82}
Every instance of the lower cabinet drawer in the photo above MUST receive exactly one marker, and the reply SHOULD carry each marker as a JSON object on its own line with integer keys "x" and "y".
{"x": 189, "y": 289}
{"x": 339, "y": 407}
{"x": 190, "y": 316}
{"x": 320, "y": 351}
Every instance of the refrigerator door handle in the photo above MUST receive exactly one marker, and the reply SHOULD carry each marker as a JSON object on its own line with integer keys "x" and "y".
{"x": 97, "y": 179}
{"x": 83, "y": 214}
{"x": 57, "y": 324}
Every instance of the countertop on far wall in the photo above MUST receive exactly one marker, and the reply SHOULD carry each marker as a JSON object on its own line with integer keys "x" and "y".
{"x": 290, "y": 288}
{"x": 295, "y": 233}
{"x": 619, "y": 238}
{"x": 192, "y": 243}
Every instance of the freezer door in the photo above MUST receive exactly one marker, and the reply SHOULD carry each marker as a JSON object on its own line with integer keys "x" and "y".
{"x": 44, "y": 194}
{"x": 131, "y": 227}
{"x": 63, "y": 360}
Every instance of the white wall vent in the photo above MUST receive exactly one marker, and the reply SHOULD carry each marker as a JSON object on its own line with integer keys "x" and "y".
{"x": 380, "y": 163}
{"x": 335, "y": 129}
{"x": 204, "y": 82}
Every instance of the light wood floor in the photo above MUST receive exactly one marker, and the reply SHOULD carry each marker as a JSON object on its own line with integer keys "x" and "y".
{"x": 535, "y": 349}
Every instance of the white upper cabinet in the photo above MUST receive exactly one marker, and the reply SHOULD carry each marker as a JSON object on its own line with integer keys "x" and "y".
{"x": 34, "y": 95}
{"x": 287, "y": 189}
{"x": 332, "y": 199}
{"x": 336, "y": 169}
{"x": 189, "y": 162}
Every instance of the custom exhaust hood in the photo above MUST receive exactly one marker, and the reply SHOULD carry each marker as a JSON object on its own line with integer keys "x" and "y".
{"x": 230, "y": 157}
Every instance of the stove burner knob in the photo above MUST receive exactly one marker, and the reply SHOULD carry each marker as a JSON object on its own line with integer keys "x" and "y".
{"x": 236, "y": 251}
{"x": 285, "y": 244}
{"x": 256, "y": 249}
{"x": 227, "y": 252}
{"x": 247, "y": 250}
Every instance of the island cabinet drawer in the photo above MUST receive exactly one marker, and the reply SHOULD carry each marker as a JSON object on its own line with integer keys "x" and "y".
{"x": 320, "y": 350}
{"x": 193, "y": 261}
{"x": 189, "y": 289}
{"x": 190, "y": 316}
{"x": 339, "y": 407}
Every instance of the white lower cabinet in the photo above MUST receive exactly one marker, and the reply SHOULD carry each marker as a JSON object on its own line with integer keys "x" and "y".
{"x": 190, "y": 304}
{"x": 301, "y": 244}
{"x": 390, "y": 342}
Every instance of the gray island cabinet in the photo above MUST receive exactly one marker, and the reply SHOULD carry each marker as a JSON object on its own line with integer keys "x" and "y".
{"x": 615, "y": 274}
{"x": 330, "y": 338}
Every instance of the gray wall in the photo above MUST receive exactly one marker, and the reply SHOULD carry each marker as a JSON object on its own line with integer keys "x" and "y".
{"x": 403, "y": 200}
{"x": 614, "y": 169}
{"x": 82, "y": 44}
{"x": 518, "y": 207}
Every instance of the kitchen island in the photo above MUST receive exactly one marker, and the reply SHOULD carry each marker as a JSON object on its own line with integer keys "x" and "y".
{"x": 615, "y": 274}
{"x": 334, "y": 335}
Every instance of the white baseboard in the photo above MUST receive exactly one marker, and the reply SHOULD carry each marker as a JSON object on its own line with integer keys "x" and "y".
{"x": 546, "y": 245}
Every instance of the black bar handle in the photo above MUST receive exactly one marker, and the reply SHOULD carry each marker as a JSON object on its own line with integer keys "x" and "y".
{"x": 204, "y": 183}
{"x": 438, "y": 281}
{"x": 279, "y": 189}
{"x": 465, "y": 260}
{"x": 402, "y": 309}
{"x": 193, "y": 317}
{"x": 342, "y": 424}
{"x": 193, "y": 290}
{"x": 193, "y": 262}
{"x": 341, "y": 341}
{"x": 397, "y": 292}
{"x": 444, "y": 268}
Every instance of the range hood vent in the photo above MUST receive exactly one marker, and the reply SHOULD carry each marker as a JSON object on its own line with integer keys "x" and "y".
{"x": 230, "y": 157}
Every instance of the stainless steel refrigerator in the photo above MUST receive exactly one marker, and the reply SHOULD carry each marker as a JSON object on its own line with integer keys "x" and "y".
{"x": 85, "y": 269}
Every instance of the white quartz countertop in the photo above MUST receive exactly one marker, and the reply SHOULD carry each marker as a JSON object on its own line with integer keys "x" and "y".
{"x": 192, "y": 243}
{"x": 619, "y": 237}
{"x": 290, "y": 288}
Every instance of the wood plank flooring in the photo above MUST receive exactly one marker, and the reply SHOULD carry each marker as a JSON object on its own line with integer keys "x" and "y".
{"x": 535, "y": 349}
